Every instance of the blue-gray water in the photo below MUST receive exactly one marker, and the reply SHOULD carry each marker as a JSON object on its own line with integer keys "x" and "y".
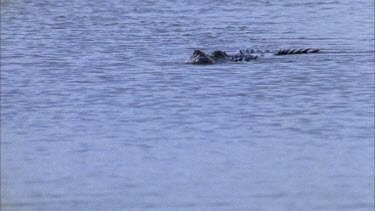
{"x": 100, "y": 112}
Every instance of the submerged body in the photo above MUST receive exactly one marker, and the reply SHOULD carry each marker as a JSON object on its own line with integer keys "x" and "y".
{"x": 199, "y": 57}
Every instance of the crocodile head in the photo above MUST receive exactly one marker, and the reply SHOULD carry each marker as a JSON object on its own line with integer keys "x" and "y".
{"x": 199, "y": 57}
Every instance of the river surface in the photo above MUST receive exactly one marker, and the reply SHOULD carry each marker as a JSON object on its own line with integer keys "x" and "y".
{"x": 99, "y": 110}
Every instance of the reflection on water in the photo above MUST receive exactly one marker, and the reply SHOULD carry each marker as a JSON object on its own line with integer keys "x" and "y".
{"x": 100, "y": 112}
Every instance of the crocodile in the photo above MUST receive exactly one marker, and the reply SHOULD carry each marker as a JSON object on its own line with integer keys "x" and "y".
{"x": 200, "y": 57}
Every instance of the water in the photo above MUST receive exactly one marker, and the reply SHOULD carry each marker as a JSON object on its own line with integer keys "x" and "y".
{"x": 100, "y": 112}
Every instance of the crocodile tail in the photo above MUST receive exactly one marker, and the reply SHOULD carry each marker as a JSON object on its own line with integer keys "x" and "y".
{"x": 296, "y": 51}
{"x": 281, "y": 52}
{"x": 299, "y": 51}
{"x": 305, "y": 50}
{"x": 314, "y": 50}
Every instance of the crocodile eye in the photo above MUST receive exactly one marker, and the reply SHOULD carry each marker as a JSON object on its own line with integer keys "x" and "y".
{"x": 198, "y": 52}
